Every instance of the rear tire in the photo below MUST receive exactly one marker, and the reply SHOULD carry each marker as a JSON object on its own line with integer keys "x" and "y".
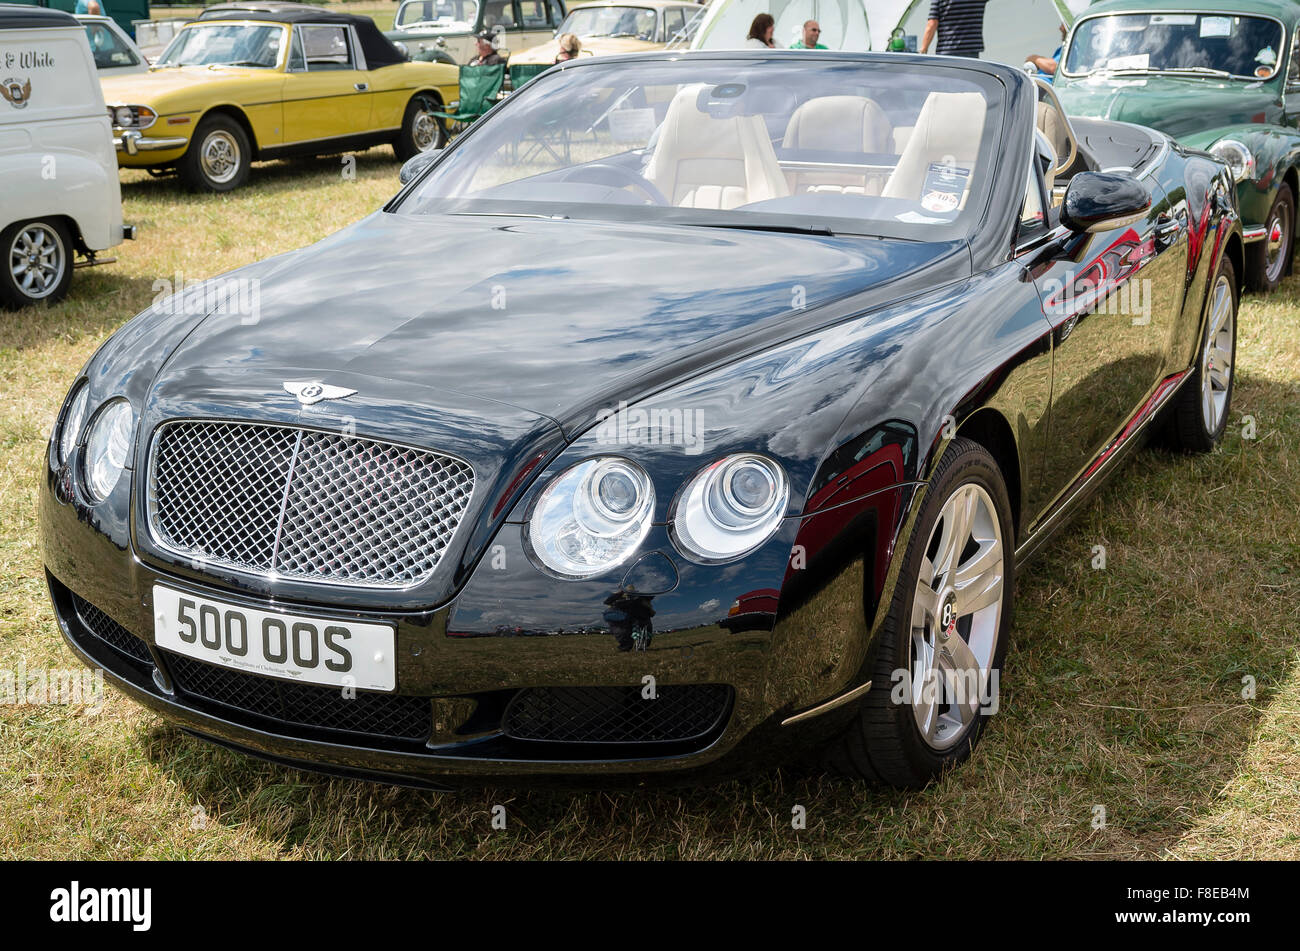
{"x": 1200, "y": 412}
{"x": 1270, "y": 258}
{"x": 219, "y": 156}
{"x": 421, "y": 130}
{"x": 36, "y": 267}
{"x": 951, "y": 611}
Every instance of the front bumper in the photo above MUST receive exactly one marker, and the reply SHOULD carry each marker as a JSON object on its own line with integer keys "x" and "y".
{"x": 461, "y": 672}
{"x": 133, "y": 143}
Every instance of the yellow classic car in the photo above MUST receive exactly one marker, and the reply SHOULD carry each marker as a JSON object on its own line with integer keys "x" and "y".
{"x": 238, "y": 87}
{"x": 611, "y": 26}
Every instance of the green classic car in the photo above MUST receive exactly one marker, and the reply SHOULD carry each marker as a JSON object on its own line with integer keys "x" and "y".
{"x": 443, "y": 31}
{"x": 1220, "y": 77}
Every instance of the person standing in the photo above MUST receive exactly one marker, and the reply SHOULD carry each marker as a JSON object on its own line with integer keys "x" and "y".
{"x": 760, "y": 32}
{"x": 960, "y": 26}
{"x": 812, "y": 32}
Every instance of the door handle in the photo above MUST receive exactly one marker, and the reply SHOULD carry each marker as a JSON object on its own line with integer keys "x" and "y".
{"x": 361, "y": 87}
{"x": 1168, "y": 228}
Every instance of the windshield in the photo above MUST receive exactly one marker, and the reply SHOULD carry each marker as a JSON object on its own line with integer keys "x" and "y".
{"x": 843, "y": 23}
{"x": 108, "y": 48}
{"x": 611, "y": 21}
{"x": 845, "y": 148}
{"x": 229, "y": 44}
{"x": 1210, "y": 43}
{"x": 452, "y": 16}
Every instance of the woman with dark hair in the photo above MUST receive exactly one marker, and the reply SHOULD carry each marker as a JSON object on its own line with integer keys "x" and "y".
{"x": 760, "y": 33}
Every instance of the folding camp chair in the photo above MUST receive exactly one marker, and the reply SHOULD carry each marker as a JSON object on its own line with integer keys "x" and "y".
{"x": 479, "y": 88}
{"x": 519, "y": 75}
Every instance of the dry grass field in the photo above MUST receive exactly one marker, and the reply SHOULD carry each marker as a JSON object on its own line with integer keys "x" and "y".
{"x": 1123, "y": 687}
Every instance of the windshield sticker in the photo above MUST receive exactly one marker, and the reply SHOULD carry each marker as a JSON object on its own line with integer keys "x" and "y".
{"x": 1216, "y": 26}
{"x": 1173, "y": 19}
{"x": 632, "y": 125}
{"x": 1136, "y": 61}
{"x": 1266, "y": 56}
{"x": 944, "y": 187}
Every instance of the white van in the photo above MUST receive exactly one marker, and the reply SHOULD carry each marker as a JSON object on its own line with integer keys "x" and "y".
{"x": 59, "y": 192}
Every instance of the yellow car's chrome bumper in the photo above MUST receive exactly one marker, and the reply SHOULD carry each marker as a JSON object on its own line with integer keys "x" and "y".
{"x": 132, "y": 142}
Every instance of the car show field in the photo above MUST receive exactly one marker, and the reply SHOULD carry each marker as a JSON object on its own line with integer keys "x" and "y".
{"x": 950, "y": 349}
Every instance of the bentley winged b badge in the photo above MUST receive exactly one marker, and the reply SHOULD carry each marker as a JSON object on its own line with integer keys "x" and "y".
{"x": 313, "y": 391}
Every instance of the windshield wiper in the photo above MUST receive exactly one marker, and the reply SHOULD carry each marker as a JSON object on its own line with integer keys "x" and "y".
{"x": 780, "y": 229}
{"x": 1198, "y": 70}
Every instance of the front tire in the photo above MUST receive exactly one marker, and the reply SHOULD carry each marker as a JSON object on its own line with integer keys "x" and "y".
{"x": 421, "y": 129}
{"x": 948, "y": 623}
{"x": 219, "y": 156}
{"x": 1200, "y": 414}
{"x": 37, "y": 263}
{"x": 1270, "y": 258}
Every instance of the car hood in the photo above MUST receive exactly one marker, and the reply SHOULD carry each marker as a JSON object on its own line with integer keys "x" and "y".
{"x": 591, "y": 46}
{"x": 147, "y": 87}
{"x": 557, "y": 318}
{"x": 499, "y": 339}
{"x": 1177, "y": 107}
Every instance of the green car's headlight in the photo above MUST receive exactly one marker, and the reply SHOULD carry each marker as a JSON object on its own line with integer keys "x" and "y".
{"x": 592, "y": 517}
{"x": 108, "y": 445}
{"x": 1236, "y": 156}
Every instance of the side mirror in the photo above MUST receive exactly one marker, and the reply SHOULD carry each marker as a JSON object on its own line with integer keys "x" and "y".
{"x": 415, "y": 165}
{"x": 1099, "y": 201}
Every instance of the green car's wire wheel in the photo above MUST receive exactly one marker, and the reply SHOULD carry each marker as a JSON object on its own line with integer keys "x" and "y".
{"x": 1271, "y": 256}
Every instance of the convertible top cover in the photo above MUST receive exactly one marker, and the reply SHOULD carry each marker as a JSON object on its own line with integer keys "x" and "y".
{"x": 379, "y": 49}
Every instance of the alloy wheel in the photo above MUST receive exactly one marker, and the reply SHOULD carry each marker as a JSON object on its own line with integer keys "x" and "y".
{"x": 1217, "y": 356}
{"x": 37, "y": 260}
{"x": 956, "y": 613}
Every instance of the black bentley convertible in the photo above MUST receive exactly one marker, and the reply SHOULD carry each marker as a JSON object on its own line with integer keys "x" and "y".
{"x": 688, "y": 413}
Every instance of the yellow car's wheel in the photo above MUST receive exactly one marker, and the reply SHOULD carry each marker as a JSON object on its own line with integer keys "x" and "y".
{"x": 219, "y": 156}
{"x": 421, "y": 129}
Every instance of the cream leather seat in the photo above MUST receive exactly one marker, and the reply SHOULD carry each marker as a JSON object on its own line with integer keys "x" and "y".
{"x": 703, "y": 162}
{"x": 838, "y": 124}
{"x": 948, "y": 131}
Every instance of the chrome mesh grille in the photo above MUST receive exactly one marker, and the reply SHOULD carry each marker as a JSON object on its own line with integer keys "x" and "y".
{"x": 304, "y": 504}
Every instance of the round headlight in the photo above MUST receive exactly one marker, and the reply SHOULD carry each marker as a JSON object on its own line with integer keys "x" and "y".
{"x": 730, "y": 508}
{"x": 1236, "y": 156}
{"x": 123, "y": 117}
{"x": 108, "y": 443}
{"x": 73, "y": 418}
{"x": 592, "y": 517}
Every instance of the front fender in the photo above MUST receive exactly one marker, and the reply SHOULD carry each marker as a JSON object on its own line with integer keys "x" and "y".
{"x": 1276, "y": 150}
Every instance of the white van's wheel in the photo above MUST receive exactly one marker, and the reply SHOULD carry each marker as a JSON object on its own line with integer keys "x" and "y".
{"x": 37, "y": 262}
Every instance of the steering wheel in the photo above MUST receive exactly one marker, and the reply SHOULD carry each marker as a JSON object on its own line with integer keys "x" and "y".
{"x": 603, "y": 173}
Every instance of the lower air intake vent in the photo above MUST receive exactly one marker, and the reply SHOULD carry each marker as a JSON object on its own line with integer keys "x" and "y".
{"x": 616, "y": 714}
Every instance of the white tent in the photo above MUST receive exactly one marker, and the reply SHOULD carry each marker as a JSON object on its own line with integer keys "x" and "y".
{"x": 1012, "y": 28}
